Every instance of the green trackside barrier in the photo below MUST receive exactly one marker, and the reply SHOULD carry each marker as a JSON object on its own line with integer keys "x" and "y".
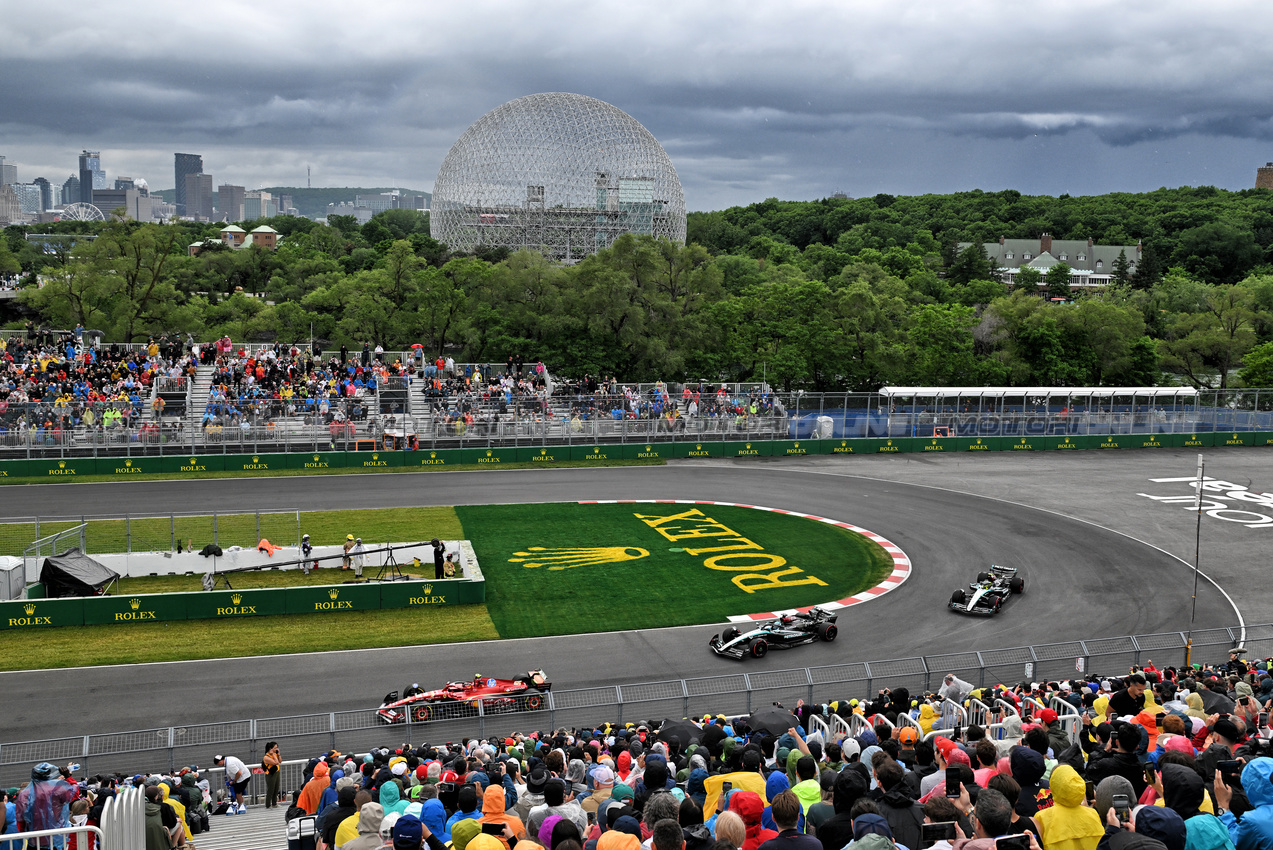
{"x": 231, "y": 604}
{"x": 1117, "y": 441}
{"x": 491, "y": 456}
{"x": 979, "y": 444}
{"x": 318, "y": 461}
{"x": 543, "y": 454}
{"x": 846, "y": 446}
{"x": 646, "y": 451}
{"x": 1152, "y": 441}
{"x": 426, "y": 458}
{"x": 1235, "y": 438}
{"x": 193, "y": 463}
{"x": 696, "y": 450}
{"x": 377, "y": 459}
{"x": 754, "y": 448}
{"x": 143, "y": 608}
{"x": 1063, "y": 442}
{"x": 13, "y": 469}
{"x": 38, "y": 613}
{"x": 940, "y": 444}
{"x": 895, "y": 445}
{"x": 62, "y": 468}
{"x": 429, "y": 594}
{"x": 1023, "y": 443}
{"x": 794, "y": 448}
{"x": 1200, "y": 440}
{"x": 599, "y": 454}
{"x": 255, "y": 463}
{"x": 122, "y": 466}
{"x": 345, "y": 597}
{"x": 1262, "y": 438}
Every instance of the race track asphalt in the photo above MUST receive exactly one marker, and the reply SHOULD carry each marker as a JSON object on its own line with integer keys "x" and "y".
{"x": 1085, "y": 577}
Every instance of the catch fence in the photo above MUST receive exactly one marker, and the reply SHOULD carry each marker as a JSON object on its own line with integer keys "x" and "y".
{"x": 738, "y": 692}
{"x": 129, "y": 533}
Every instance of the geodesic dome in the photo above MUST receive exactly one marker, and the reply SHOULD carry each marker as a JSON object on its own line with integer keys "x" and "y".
{"x": 559, "y": 173}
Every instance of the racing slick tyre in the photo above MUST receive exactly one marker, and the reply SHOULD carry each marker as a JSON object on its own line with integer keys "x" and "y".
{"x": 958, "y": 597}
{"x": 827, "y": 631}
{"x": 983, "y": 577}
{"x": 534, "y": 702}
{"x": 758, "y": 648}
{"x": 1017, "y": 585}
{"x": 421, "y": 714}
{"x": 729, "y": 634}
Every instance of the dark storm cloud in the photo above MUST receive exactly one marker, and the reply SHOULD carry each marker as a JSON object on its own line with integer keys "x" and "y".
{"x": 792, "y": 100}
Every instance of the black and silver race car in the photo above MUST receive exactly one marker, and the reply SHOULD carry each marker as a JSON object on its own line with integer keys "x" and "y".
{"x": 783, "y": 633}
{"x": 987, "y": 595}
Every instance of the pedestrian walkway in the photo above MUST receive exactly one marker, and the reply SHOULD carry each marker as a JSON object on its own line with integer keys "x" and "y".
{"x": 259, "y": 829}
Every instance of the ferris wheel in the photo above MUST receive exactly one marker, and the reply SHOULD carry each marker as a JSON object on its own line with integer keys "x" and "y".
{"x": 82, "y": 212}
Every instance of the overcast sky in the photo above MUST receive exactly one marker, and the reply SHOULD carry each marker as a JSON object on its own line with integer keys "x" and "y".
{"x": 795, "y": 100}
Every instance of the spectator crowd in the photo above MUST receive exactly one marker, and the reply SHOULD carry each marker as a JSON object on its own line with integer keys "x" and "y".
{"x": 1172, "y": 759}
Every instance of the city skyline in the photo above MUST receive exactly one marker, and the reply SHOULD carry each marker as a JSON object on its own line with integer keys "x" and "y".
{"x": 795, "y": 102}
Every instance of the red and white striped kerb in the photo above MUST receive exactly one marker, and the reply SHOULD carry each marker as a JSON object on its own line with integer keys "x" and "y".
{"x": 901, "y": 563}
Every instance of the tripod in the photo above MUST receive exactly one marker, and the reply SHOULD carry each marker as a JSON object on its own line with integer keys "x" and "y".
{"x": 389, "y": 570}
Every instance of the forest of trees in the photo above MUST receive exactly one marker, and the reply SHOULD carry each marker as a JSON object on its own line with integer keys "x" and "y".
{"x": 822, "y": 295}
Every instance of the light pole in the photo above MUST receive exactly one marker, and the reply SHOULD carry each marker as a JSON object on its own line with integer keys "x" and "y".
{"x": 1197, "y": 547}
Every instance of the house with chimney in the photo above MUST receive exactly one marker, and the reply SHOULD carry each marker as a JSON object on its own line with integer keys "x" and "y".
{"x": 1091, "y": 265}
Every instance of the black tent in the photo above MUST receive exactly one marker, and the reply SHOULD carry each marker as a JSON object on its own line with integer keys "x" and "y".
{"x": 74, "y": 574}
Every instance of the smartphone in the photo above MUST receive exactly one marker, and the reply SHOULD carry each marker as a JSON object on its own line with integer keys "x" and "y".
{"x": 1012, "y": 842}
{"x": 1263, "y": 719}
{"x": 1090, "y": 790}
{"x": 1122, "y": 807}
{"x": 1151, "y": 774}
{"x": 726, "y": 787}
{"x": 493, "y": 828}
{"x": 1158, "y": 720}
{"x": 1229, "y": 768}
{"x": 953, "y": 786}
{"x": 592, "y": 817}
{"x": 931, "y": 833}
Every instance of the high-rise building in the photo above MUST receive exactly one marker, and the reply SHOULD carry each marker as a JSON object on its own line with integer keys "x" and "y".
{"x": 134, "y": 203}
{"x": 259, "y": 205}
{"x": 198, "y": 192}
{"x": 10, "y": 209}
{"x": 230, "y": 201}
{"x": 185, "y": 164}
{"x": 71, "y": 190}
{"x": 8, "y": 173}
{"x": 46, "y": 193}
{"x": 91, "y": 175}
{"x": 28, "y": 197}
{"x": 125, "y": 183}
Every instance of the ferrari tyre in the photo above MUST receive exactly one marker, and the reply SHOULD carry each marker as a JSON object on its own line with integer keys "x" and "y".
{"x": 1017, "y": 585}
{"x": 758, "y": 648}
{"x": 534, "y": 702}
{"x": 958, "y": 597}
{"x": 421, "y": 714}
{"x": 729, "y": 634}
{"x": 827, "y": 631}
{"x": 983, "y": 577}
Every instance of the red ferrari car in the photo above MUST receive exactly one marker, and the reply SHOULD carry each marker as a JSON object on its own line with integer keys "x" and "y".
{"x": 459, "y": 699}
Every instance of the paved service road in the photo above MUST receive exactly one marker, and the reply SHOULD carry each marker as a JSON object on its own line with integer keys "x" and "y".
{"x": 1083, "y": 580}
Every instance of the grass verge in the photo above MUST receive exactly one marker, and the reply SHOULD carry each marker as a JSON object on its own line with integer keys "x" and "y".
{"x": 325, "y": 528}
{"x": 188, "y": 639}
{"x": 670, "y": 585}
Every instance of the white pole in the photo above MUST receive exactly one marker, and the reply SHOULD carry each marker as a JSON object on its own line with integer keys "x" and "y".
{"x": 1197, "y": 547}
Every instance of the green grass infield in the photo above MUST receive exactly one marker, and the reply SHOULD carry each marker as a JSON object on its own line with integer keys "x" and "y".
{"x": 647, "y": 565}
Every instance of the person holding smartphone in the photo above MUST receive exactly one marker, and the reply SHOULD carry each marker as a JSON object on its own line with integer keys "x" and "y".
{"x": 1068, "y": 823}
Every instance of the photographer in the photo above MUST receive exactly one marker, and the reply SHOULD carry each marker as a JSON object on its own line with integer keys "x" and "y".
{"x": 1255, "y": 830}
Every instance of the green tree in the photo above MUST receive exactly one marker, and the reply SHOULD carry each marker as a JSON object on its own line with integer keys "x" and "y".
{"x": 1028, "y": 279}
{"x": 971, "y": 264}
{"x": 1257, "y": 366}
{"x": 1058, "y": 278}
{"x": 1212, "y": 341}
{"x": 1120, "y": 273}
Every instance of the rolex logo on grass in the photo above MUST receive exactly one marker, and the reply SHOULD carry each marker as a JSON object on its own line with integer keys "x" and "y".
{"x": 29, "y": 608}
{"x": 333, "y": 593}
{"x": 236, "y": 598}
{"x": 335, "y": 603}
{"x": 134, "y": 604}
{"x": 564, "y": 559}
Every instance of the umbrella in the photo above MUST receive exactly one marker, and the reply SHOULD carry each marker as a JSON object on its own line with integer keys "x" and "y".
{"x": 774, "y": 719}
{"x": 682, "y": 731}
{"x": 417, "y": 345}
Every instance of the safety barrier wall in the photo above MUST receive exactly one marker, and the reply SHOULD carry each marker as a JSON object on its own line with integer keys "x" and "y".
{"x": 602, "y": 453}
{"x": 234, "y": 604}
{"x": 734, "y": 692}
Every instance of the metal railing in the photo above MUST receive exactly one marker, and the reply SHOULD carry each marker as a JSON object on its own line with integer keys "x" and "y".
{"x": 735, "y": 693}
{"x": 122, "y": 826}
{"x": 129, "y": 533}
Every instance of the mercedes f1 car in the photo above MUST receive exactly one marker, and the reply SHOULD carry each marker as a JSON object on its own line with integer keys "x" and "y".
{"x": 459, "y": 699}
{"x": 987, "y": 595}
{"x": 783, "y": 633}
